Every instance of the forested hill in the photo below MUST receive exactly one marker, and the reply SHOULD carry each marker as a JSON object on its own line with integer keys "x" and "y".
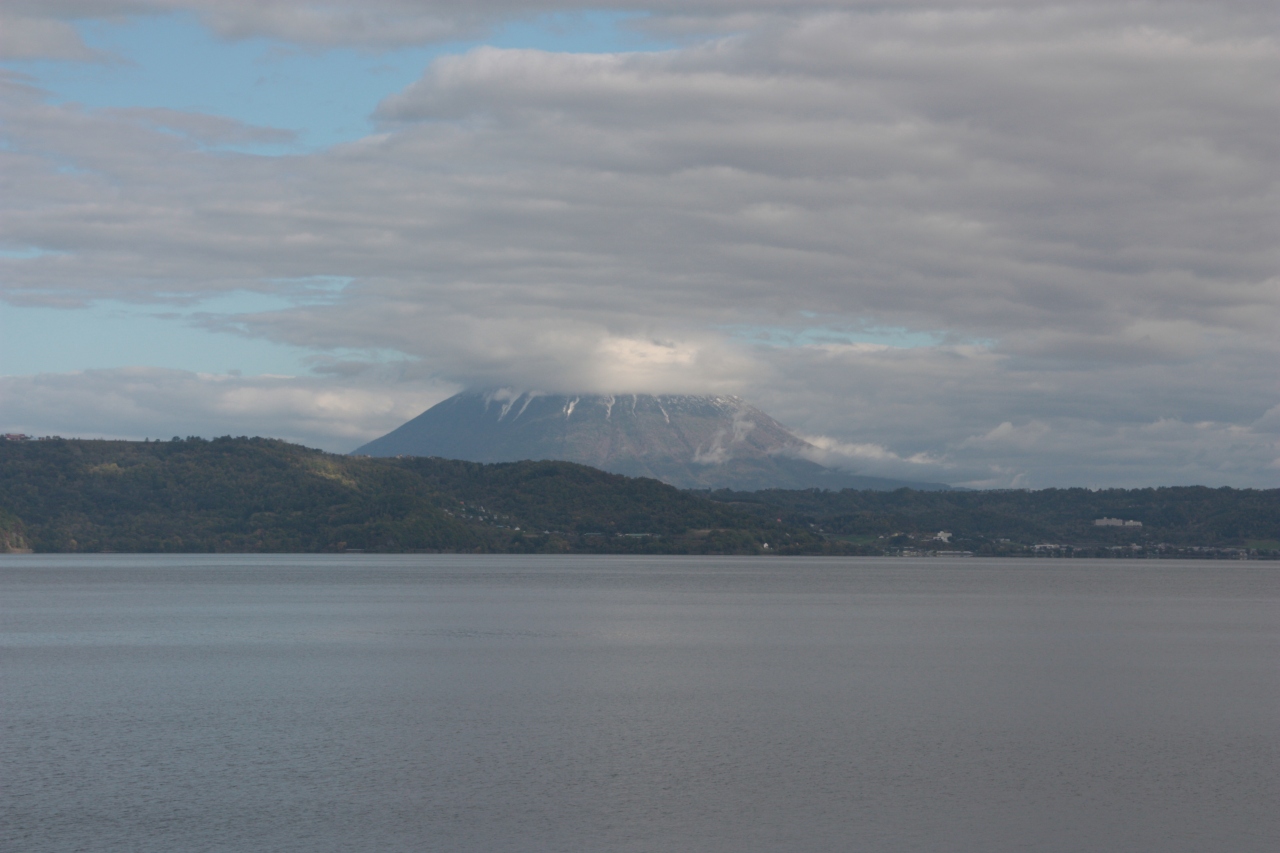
{"x": 257, "y": 494}
{"x": 1175, "y": 521}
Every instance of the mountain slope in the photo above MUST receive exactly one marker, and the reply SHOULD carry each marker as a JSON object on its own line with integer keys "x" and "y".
{"x": 687, "y": 441}
{"x": 263, "y": 495}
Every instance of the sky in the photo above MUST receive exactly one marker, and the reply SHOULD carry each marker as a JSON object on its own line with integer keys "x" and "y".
{"x": 1004, "y": 244}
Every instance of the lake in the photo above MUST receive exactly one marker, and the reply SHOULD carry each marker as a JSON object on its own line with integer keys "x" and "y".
{"x": 508, "y": 703}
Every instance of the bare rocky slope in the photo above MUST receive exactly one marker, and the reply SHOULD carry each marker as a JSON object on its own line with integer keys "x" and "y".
{"x": 693, "y": 442}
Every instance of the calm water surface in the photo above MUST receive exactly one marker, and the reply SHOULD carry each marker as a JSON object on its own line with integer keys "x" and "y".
{"x": 497, "y": 704}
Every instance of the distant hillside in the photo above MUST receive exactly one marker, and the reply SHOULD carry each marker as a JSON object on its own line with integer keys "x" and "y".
{"x": 687, "y": 441}
{"x": 12, "y": 540}
{"x": 1177, "y": 521}
{"x": 255, "y": 494}
{"x": 263, "y": 495}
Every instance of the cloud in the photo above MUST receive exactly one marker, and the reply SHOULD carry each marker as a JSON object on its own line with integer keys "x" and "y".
{"x": 204, "y": 129}
{"x": 32, "y": 36}
{"x": 875, "y": 459}
{"x": 973, "y": 416}
{"x": 141, "y": 402}
{"x": 43, "y": 28}
{"x": 1079, "y": 201}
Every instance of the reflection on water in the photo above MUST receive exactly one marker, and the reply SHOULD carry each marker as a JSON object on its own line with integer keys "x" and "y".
{"x": 294, "y": 703}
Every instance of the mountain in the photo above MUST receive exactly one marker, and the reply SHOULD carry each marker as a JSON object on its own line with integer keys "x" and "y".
{"x": 693, "y": 442}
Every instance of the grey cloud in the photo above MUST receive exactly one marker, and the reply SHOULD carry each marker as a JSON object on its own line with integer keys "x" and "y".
{"x": 205, "y": 129}
{"x": 37, "y": 37}
{"x": 1087, "y": 194}
{"x": 366, "y": 23}
{"x": 972, "y": 416}
{"x": 39, "y": 28}
{"x": 141, "y": 402}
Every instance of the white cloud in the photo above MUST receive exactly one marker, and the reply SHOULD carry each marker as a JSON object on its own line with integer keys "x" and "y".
{"x": 874, "y": 459}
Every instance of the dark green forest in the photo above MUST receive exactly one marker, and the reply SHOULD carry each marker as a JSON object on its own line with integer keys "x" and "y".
{"x": 1173, "y": 521}
{"x": 265, "y": 495}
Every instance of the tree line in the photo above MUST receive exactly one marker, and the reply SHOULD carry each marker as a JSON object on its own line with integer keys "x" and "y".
{"x": 265, "y": 495}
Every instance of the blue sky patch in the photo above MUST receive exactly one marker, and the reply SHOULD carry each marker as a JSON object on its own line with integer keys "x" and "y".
{"x": 325, "y": 96}
{"x": 791, "y": 336}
